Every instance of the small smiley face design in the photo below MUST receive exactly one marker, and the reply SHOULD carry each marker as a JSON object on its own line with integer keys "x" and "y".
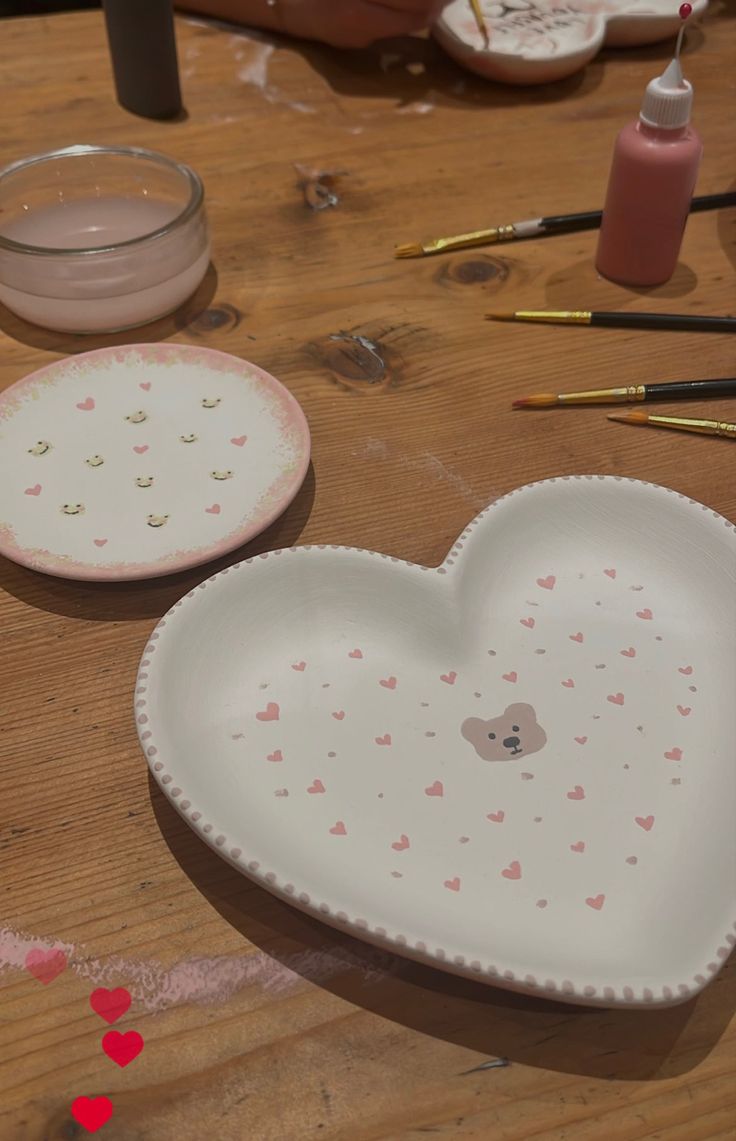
{"x": 221, "y": 475}
{"x": 40, "y": 449}
{"x": 211, "y": 403}
{"x": 137, "y": 417}
{"x": 144, "y": 481}
{"x": 72, "y": 509}
{"x": 156, "y": 520}
{"x": 94, "y": 461}
{"x": 188, "y": 439}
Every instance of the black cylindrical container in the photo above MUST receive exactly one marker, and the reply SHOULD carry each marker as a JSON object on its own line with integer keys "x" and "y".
{"x": 143, "y": 50}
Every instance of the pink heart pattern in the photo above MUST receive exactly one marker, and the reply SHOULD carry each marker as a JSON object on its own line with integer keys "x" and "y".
{"x": 35, "y": 490}
{"x": 238, "y": 441}
{"x": 86, "y": 405}
{"x": 404, "y": 715}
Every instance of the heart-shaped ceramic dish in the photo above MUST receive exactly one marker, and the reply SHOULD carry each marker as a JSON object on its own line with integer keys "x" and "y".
{"x": 518, "y": 766}
{"x": 536, "y": 42}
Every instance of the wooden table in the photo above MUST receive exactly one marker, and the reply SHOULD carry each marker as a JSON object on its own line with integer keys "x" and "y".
{"x": 298, "y": 1032}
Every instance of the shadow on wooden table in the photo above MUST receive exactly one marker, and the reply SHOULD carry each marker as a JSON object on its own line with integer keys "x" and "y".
{"x": 149, "y": 598}
{"x": 640, "y": 1045}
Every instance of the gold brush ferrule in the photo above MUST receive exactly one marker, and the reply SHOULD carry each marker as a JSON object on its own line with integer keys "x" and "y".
{"x": 555, "y": 316}
{"x": 633, "y": 393}
{"x": 705, "y": 427}
{"x": 464, "y": 241}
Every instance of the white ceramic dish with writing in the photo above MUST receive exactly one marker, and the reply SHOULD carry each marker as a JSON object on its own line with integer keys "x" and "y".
{"x": 518, "y": 766}
{"x": 536, "y": 42}
{"x": 139, "y": 461}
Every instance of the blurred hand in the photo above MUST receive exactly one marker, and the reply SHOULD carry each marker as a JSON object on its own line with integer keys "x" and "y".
{"x": 342, "y": 23}
{"x": 356, "y": 23}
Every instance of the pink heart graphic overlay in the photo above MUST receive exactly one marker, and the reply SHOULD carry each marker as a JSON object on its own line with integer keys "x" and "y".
{"x": 316, "y": 786}
{"x": 339, "y": 829}
{"x": 91, "y": 1112}
{"x": 547, "y": 583}
{"x": 453, "y": 884}
{"x": 496, "y": 817}
{"x": 577, "y": 793}
{"x": 449, "y": 679}
{"x": 436, "y": 789}
{"x": 401, "y": 844}
{"x": 122, "y": 1048}
{"x": 238, "y": 441}
{"x": 110, "y": 1004}
{"x": 513, "y": 871}
{"x": 645, "y": 822}
{"x": 140, "y": 449}
{"x": 35, "y": 490}
{"x": 596, "y": 901}
{"x": 215, "y": 509}
{"x": 45, "y": 965}
{"x": 86, "y": 405}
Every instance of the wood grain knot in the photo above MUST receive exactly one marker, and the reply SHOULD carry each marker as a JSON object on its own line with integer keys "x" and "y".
{"x": 219, "y": 319}
{"x": 355, "y": 358}
{"x": 473, "y": 271}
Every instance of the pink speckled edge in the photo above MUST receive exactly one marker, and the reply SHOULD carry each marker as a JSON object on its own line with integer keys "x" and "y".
{"x": 274, "y": 502}
{"x": 565, "y": 989}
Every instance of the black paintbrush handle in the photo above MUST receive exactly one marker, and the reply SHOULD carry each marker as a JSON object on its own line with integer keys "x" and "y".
{"x": 683, "y": 322}
{"x": 691, "y": 389}
{"x": 591, "y": 219}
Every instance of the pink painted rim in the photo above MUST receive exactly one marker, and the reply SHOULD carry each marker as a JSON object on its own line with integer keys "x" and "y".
{"x": 404, "y": 944}
{"x": 294, "y": 420}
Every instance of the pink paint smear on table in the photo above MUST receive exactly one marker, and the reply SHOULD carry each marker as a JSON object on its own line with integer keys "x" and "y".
{"x": 205, "y": 980}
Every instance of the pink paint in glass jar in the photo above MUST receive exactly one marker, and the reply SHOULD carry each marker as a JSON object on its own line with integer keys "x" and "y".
{"x": 99, "y": 239}
{"x": 653, "y": 174}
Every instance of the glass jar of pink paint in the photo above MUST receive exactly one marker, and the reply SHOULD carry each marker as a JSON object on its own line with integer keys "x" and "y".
{"x": 100, "y": 239}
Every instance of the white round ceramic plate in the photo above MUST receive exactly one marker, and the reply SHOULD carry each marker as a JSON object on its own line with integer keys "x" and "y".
{"x": 518, "y": 766}
{"x": 533, "y": 41}
{"x": 144, "y": 460}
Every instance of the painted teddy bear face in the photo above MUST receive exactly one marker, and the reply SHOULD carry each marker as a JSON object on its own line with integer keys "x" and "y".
{"x": 514, "y": 734}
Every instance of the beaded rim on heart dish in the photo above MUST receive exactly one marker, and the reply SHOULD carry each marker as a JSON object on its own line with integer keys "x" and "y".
{"x": 563, "y": 989}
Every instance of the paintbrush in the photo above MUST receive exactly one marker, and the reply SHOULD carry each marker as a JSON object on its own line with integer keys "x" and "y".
{"x": 682, "y": 322}
{"x": 480, "y": 21}
{"x": 634, "y": 394}
{"x": 704, "y": 427}
{"x": 539, "y": 227}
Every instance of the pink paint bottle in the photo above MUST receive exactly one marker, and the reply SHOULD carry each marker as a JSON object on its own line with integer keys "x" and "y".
{"x": 655, "y": 165}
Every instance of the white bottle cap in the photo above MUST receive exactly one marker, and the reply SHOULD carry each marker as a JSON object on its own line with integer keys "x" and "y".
{"x": 668, "y": 99}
